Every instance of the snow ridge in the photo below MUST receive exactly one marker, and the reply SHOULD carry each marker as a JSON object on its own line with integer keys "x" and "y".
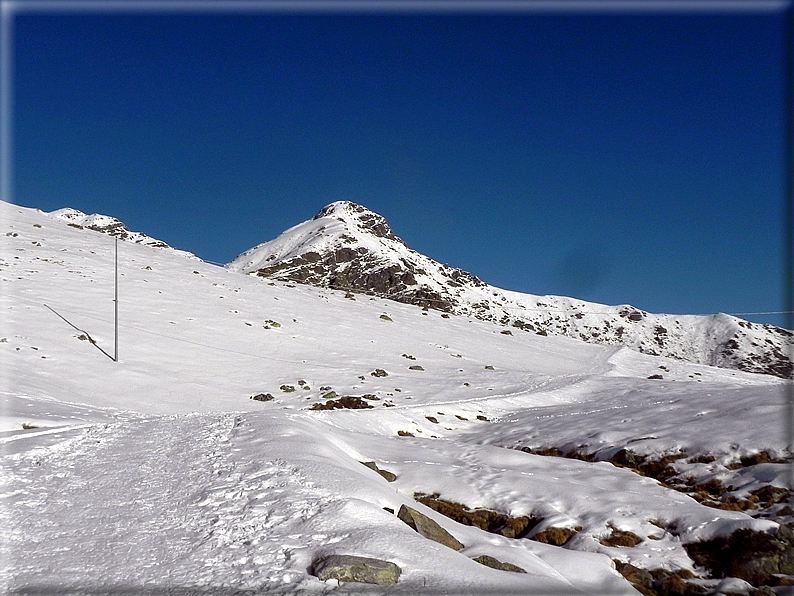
{"x": 346, "y": 246}
{"x": 109, "y": 225}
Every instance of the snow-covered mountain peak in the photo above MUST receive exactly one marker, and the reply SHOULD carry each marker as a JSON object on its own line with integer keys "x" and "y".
{"x": 342, "y": 229}
{"x": 348, "y": 247}
{"x": 358, "y": 218}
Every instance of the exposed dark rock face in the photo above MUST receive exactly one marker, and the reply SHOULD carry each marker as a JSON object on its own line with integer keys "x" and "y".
{"x": 122, "y": 232}
{"x": 621, "y": 538}
{"x": 106, "y": 225}
{"x": 364, "y": 273}
{"x": 632, "y": 315}
{"x": 349, "y": 568}
{"x": 641, "y": 579}
{"x": 659, "y": 582}
{"x": 371, "y": 222}
{"x": 712, "y": 492}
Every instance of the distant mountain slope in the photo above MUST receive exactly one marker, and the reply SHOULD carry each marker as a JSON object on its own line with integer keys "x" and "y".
{"x": 346, "y": 246}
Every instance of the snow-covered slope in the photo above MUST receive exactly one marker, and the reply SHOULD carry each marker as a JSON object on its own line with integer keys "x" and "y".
{"x": 347, "y": 247}
{"x": 160, "y": 474}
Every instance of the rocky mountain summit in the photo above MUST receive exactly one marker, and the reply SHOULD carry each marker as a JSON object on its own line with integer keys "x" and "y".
{"x": 347, "y": 247}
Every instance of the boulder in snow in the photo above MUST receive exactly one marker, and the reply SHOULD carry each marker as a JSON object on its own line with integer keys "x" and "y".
{"x": 497, "y": 564}
{"x": 428, "y": 528}
{"x": 349, "y": 568}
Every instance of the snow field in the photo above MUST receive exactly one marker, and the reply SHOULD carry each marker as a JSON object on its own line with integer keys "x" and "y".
{"x": 158, "y": 472}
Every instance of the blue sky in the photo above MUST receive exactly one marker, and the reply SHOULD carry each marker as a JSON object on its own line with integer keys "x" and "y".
{"x": 631, "y": 157}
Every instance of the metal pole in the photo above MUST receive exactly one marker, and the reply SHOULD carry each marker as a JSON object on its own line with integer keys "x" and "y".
{"x": 788, "y": 217}
{"x": 116, "y": 301}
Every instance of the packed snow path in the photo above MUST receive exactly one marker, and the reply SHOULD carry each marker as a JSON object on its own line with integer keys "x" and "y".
{"x": 147, "y": 504}
{"x": 120, "y": 487}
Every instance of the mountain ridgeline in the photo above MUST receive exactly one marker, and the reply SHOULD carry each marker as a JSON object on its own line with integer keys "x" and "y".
{"x": 347, "y": 247}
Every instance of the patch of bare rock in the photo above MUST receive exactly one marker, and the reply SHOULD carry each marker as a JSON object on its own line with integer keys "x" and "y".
{"x": 389, "y": 476}
{"x": 660, "y": 582}
{"x": 621, "y": 538}
{"x": 711, "y": 492}
{"x": 350, "y": 402}
{"x": 759, "y": 558}
{"x": 498, "y": 523}
{"x": 555, "y": 536}
{"x": 485, "y": 519}
{"x": 431, "y": 530}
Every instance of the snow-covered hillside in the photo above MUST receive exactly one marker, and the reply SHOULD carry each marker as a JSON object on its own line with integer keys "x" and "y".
{"x": 160, "y": 473}
{"x": 347, "y": 247}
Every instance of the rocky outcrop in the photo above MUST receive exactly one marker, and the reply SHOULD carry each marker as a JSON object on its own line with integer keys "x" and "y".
{"x": 370, "y": 222}
{"x": 660, "y": 582}
{"x": 347, "y": 402}
{"x": 349, "y": 568}
{"x": 555, "y": 536}
{"x": 620, "y": 538}
{"x": 428, "y": 528}
{"x": 485, "y": 519}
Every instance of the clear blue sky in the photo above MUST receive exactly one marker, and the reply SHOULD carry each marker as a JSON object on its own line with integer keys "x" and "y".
{"x": 616, "y": 157}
